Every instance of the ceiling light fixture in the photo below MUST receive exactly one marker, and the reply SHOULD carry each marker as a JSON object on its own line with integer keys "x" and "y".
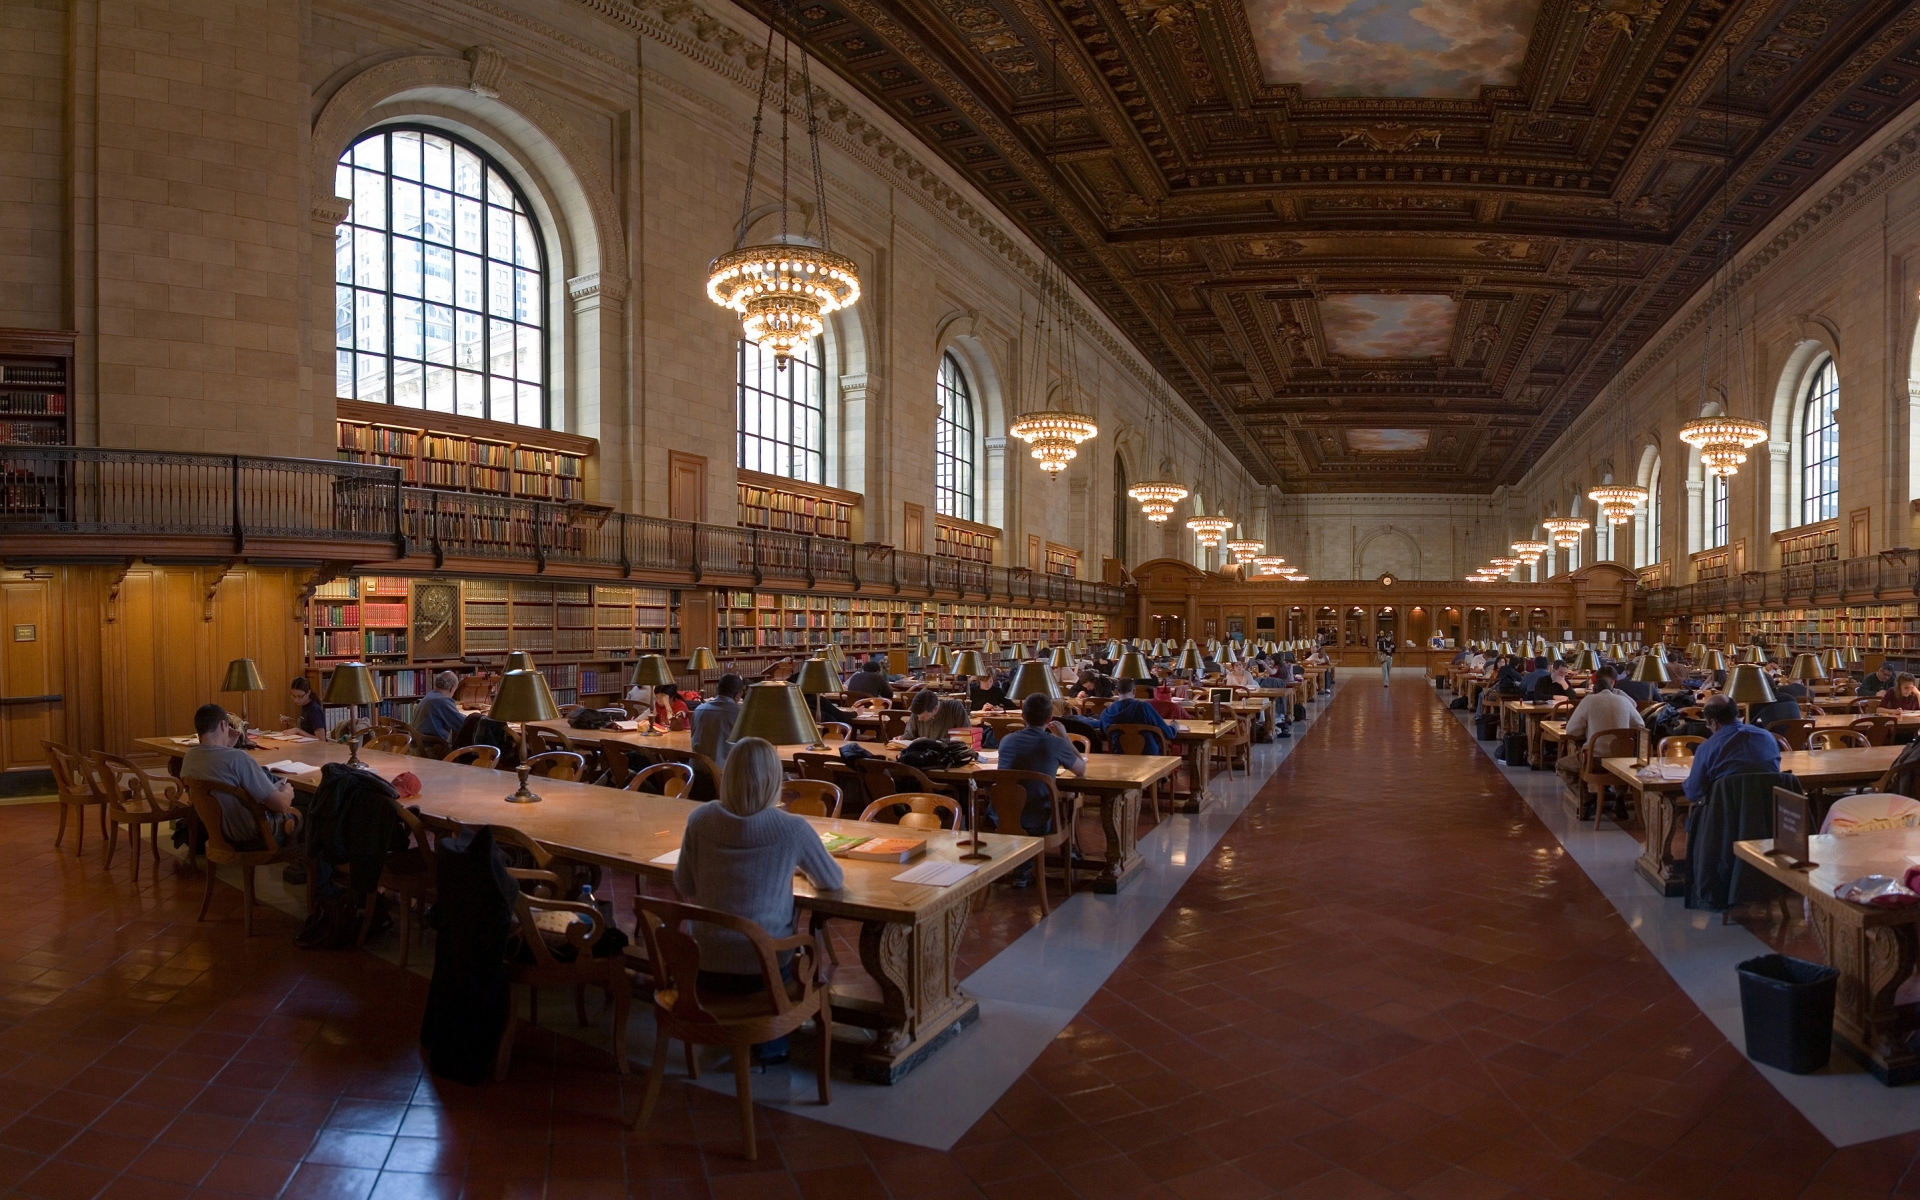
{"x": 1209, "y": 529}
{"x": 1618, "y": 501}
{"x": 1566, "y": 531}
{"x": 1529, "y": 551}
{"x": 1245, "y": 549}
{"x": 786, "y": 288}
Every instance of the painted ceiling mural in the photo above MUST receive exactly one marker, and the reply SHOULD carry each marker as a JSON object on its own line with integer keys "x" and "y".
{"x": 1388, "y": 326}
{"x": 1331, "y": 221}
{"x": 1391, "y": 47}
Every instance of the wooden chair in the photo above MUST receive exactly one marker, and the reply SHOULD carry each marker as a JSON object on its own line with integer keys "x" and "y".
{"x": 409, "y": 875}
{"x": 1680, "y": 746}
{"x": 737, "y": 1021}
{"x": 1782, "y": 743}
{"x": 1878, "y": 728}
{"x": 1004, "y": 793}
{"x": 1594, "y": 778}
{"x": 134, "y": 798}
{"x": 565, "y": 765}
{"x": 1794, "y": 731}
{"x": 475, "y": 690}
{"x": 923, "y": 810}
{"x": 476, "y": 756}
{"x": 1124, "y": 738}
{"x": 880, "y": 778}
{"x": 1837, "y": 739}
{"x": 552, "y": 946}
{"x": 675, "y": 778}
{"x": 810, "y": 798}
{"x": 391, "y": 741}
{"x": 206, "y": 806}
{"x": 835, "y": 731}
{"x": 1081, "y": 742}
{"x": 70, "y": 783}
{"x": 1238, "y": 745}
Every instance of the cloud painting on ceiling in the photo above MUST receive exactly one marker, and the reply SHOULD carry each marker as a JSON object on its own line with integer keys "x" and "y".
{"x": 1387, "y": 441}
{"x": 1391, "y": 47}
{"x": 1380, "y": 326}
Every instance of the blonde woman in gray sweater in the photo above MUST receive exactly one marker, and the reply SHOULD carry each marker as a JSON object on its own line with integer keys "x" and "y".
{"x": 739, "y": 855}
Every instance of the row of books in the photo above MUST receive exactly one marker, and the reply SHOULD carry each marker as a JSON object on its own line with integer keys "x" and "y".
{"x": 28, "y": 433}
{"x": 50, "y": 404}
{"x": 31, "y": 373}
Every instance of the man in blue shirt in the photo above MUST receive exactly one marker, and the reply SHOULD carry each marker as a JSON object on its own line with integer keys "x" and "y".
{"x": 1532, "y": 678}
{"x": 1129, "y": 709}
{"x": 713, "y": 721}
{"x": 1042, "y": 747}
{"x": 438, "y": 716}
{"x": 1733, "y": 748}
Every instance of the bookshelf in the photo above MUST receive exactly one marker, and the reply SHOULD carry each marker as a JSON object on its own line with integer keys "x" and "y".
{"x": 1892, "y": 629}
{"x": 785, "y": 506}
{"x": 583, "y": 637}
{"x": 1710, "y": 564}
{"x": 756, "y": 627}
{"x": 36, "y": 388}
{"x": 465, "y": 454}
{"x": 964, "y": 540}
{"x": 1063, "y": 560}
{"x": 1805, "y": 544}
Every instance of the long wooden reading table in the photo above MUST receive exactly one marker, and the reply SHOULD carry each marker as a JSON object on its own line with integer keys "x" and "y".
{"x": 1115, "y": 781}
{"x": 909, "y": 934}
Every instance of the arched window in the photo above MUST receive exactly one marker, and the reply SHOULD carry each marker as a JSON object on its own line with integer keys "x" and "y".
{"x": 1654, "y": 515}
{"x": 783, "y": 414}
{"x": 439, "y": 296}
{"x": 1820, "y": 447}
{"x": 1120, "y": 499}
{"x": 1716, "y": 511}
{"x": 953, "y": 461}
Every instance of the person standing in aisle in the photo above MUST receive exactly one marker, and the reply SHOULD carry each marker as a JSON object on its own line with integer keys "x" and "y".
{"x": 1384, "y": 645}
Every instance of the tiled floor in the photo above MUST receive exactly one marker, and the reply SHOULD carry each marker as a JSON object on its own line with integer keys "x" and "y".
{"x": 1389, "y": 978}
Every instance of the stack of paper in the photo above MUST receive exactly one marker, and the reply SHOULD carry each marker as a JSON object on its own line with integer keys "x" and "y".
{"x": 937, "y": 874}
{"x": 288, "y": 766}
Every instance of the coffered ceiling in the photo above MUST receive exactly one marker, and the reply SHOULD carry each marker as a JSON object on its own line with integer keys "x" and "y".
{"x": 1383, "y": 244}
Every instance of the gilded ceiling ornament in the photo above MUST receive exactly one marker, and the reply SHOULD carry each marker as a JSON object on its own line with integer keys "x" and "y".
{"x": 1392, "y": 137}
{"x": 1505, "y": 250}
{"x": 1272, "y": 248}
{"x": 989, "y": 43}
{"x": 1161, "y": 14}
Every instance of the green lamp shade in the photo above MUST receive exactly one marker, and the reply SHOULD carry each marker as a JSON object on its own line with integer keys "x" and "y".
{"x": 1832, "y": 661}
{"x": 242, "y": 676}
{"x": 776, "y": 712}
{"x": 519, "y": 660}
{"x": 1713, "y": 660}
{"x": 1033, "y": 678}
{"x": 1807, "y": 667}
{"x": 990, "y": 646}
{"x": 1133, "y": 665}
{"x": 523, "y": 697}
{"x": 1587, "y": 661}
{"x": 1748, "y": 685}
{"x": 1189, "y": 660}
{"x": 1060, "y": 657}
{"x": 1850, "y": 656}
{"x": 1016, "y": 652}
{"x": 651, "y": 671}
{"x": 1228, "y": 655}
{"x": 702, "y": 660}
{"x": 351, "y": 683}
{"x": 1650, "y": 668}
{"x": 815, "y": 677}
{"x": 970, "y": 664}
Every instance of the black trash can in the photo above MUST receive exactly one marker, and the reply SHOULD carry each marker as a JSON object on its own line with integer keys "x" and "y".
{"x": 1787, "y": 1006}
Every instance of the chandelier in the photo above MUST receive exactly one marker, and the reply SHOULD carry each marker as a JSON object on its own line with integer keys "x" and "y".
{"x": 1269, "y": 564}
{"x": 1244, "y": 549}
{"x": 1566, "y": 531}
{"x": 1157, "y": 498}
{"x": 1618, "y": 501}
{"x": 784, "y": 289}
{"x": 1723, "y": 441}
{"x": 1209, "y": 529}
{"x": 1055, "y": 436}
{"x": 1505, "y": 565}
{"x": 1529, "y": 551}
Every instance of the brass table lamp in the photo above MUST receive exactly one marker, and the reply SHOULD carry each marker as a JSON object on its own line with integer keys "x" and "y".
{"x": 1650, "y": 668}
{"x": 777, "y": 712}
{"x": 519, "y": 660}
{"x": 1807, "y": 668}
{"x": 352, "y": 684}
{"x": 243, "y": 676}
{"x": 1133, "y": 665}
{"x": 701, "y": 660}
{"x": 651, "y": 671}
{"x": 1747, "y": 686}
{"x": 523, "y": 697}
{"x": 970, "y": 664}
{"x": 1033, "y": 678}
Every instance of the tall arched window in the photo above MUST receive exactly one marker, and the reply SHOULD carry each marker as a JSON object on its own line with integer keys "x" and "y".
{"x": 1820, "y": 447}
{"x": 439, "y": 296}
{"x": 953, "y": 462}
{"x": 1717, "y": 507}
{"x": 783, "y": 414}
{"x": 1654, "y": 514}
{"x": 1120, "y": 499}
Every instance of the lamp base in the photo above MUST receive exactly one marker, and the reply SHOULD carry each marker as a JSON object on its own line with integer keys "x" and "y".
{"x": 523, "y": 795}
{"x": 973, "y": 843}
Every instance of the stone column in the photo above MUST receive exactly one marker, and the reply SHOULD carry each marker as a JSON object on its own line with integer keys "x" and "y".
{"x": 863, "y": 466}
{"x": 996, "y": 475}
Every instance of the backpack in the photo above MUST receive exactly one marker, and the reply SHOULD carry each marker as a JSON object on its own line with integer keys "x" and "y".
{"x": 596, "y": 718}
{"x": 936, "y": 754}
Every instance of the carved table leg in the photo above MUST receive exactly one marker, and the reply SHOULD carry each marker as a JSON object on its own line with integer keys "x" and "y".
{"x": 920, "y": 1005}
{"x": 1656, "y": 863}
{"x": 1119, "y": 821}
{"x": 1873, "y": 961}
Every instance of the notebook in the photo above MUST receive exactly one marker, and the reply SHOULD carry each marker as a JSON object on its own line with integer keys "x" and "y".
{"x": 288, "y": 766}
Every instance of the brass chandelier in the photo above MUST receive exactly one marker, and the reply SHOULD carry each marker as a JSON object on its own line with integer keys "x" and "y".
{"x": 1269, "y": 565}
{"x": 1566, "y": 531}
{"x": 1209, "y": 530}
{"x": 1529, "y": 551}
{"x": 1244, "y": 549}
{"x": 1157, "y": 497}
{"x": 1618, "y": 501}
{"x": 784, "y": 289}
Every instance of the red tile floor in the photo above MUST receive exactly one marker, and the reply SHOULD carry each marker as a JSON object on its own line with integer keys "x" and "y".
{"x": 1388, "y": 980}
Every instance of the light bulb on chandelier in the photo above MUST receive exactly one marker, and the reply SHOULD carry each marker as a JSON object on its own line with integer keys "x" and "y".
{"x": 1723, "y": 442}
{"x": 1618, "y": 501}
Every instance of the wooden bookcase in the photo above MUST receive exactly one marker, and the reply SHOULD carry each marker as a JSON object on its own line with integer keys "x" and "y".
{"x": 1816, "y": 543}
{"x": 1710, "y": 564}
{"x": 785, "y": 506}
{"x": 965, "y": 540}
{"x": 754, "y": 628}
{"x": 464, "y": 454}
{"x": 36, "y": 388}
{"x": 583, "y": 637}
{"x": 1063, "y": 560}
